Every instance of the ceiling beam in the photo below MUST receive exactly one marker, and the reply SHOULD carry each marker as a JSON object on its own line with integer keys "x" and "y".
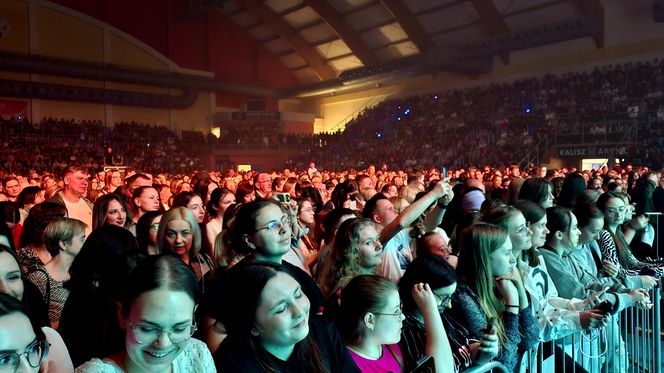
{"x": 596, "y": 9}
{"x": 297, "y": 42}
{"x": 409, "y": 23}
{"x": 494, "y": 21}
{"x": 351, "y": 37}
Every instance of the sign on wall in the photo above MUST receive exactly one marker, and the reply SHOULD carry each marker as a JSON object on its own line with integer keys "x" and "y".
{"x": 598, "y": 151}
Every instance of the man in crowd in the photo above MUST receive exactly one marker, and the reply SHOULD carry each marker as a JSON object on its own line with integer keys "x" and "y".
{"x": 263, "y": 185}
{"x": 72, "y": 196}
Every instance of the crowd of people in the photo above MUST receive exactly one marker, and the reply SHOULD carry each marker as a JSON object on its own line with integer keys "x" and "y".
{"x": 602, "y": 104}
{"x": 321, "y": 271}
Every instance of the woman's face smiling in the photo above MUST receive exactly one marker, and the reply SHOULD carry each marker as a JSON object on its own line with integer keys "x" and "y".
{"x": 282, "y": 316}
{"x": 116, "y": 214}
{"x": 160, "y": 309}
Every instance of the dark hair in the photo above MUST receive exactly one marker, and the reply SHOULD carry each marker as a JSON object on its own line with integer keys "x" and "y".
{"x": 100, "y": 208}
{"x": 533, "y": 213}
{"x": 129, "y": 182}
{"x": 9, "y": 305}
{"x": 313, "y": 195}
{"x": 585, "y": 213}
{"x": 604, "y": 199}
{"x": 215, "y": 198}
{"x": 428, "y": 269}
{"x": 245, "y": 223}
{"x": 240, "y": 319}
{"x": 143, "y": 226}
{"x": 535, "y": 189}
{"x": 27, "y": 196}
{"x": 9, "y": 212}
{"x": 201, "y": 188}
{"x": 101, "y": 261}
{"x": 364, "y": 293}
{"x": 160, "y": 272}
{"x": 331, "y": 222}
{"x": 39, "y": 217}
{"x": 573, "y": 186}
{"x": 137, "y": 193}
{"x": 559, "y": 219}
{"x": 244, "y": 188}
{"x": 370, "y": 207}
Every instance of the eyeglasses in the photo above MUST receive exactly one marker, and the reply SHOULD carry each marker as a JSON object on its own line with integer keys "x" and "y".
{"x": 275, "y": 226}
{"x": 148, "y": 333}
{"x": 399, "y": 313}
{"x": 35, "y": 353}
{"x": 443, "y": 300}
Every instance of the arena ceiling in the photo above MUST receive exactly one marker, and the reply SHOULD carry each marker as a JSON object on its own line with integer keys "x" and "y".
{"x": 318, "y": 40}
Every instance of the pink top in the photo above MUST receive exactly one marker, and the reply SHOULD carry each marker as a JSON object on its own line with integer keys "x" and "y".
{"x": 385, "y": 364}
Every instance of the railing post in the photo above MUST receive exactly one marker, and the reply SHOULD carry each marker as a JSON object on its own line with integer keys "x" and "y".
{"x": 657, "y": 335}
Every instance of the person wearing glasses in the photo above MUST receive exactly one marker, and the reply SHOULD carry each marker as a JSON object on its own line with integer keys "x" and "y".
{"x": 146, "y": 232}
{"x": 272, "y": 326}
{"x": 179, "y": 234}
{"x": 19, "y": 295}
{"x": 422, "y": 334}
{"x": 260, "y": 232}
{"x": 370, "y": 320}
{"x": 23, "y": 345}
{"x": 615, "y": 248}
{"x": 157, "y": 315}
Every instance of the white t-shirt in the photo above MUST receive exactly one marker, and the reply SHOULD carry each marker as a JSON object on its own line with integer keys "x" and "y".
{"x": 396, "y": 256}
{"x": 81, "y": 211}
{"x": 195, "y": 357}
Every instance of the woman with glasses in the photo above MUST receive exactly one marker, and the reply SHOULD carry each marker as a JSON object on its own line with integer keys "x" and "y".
{"x": 370, "y": 321}
{"x": 23, "y": 345}
{"x": 18, "y": 294}
{"x": 420, "y": 330}
{"x": 307, "y": 222}
{"x": 492, "y": 289}
{"x": 146, "y": 232}
{"x": 260, "y": 232}
{"x": 615, "y": 248}
{"x": 179, "y": 234}
{"x": 272, "y": 326}
{"x": 157, "y": 315}
{"x": 109, "y": 209}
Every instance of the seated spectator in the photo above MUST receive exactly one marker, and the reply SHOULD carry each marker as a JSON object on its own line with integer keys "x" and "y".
{"x": 271, "y": 326}
{"x": 162, "y": 298}
{"x": 63, "y": 239}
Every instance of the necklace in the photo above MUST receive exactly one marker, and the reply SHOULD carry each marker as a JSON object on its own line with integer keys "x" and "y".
{"x": 366, "y": 356}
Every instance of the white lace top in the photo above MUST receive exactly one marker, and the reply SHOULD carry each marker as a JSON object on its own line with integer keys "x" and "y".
{"x": 194, "y": 358}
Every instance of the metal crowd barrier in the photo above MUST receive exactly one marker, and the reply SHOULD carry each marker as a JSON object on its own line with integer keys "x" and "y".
{"x": 631, "y": 342}
{"x": 492, "y": 366}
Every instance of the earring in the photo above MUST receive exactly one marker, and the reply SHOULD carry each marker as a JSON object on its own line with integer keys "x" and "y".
{"x": 371, "y": 328}
{"x": 255, "y": 332}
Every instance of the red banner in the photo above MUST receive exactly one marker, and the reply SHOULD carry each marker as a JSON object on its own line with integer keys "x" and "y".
{"x": 12, "y": 107}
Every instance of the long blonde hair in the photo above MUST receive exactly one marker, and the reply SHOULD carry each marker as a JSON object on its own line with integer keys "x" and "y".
{"x": 478, "y": 242}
